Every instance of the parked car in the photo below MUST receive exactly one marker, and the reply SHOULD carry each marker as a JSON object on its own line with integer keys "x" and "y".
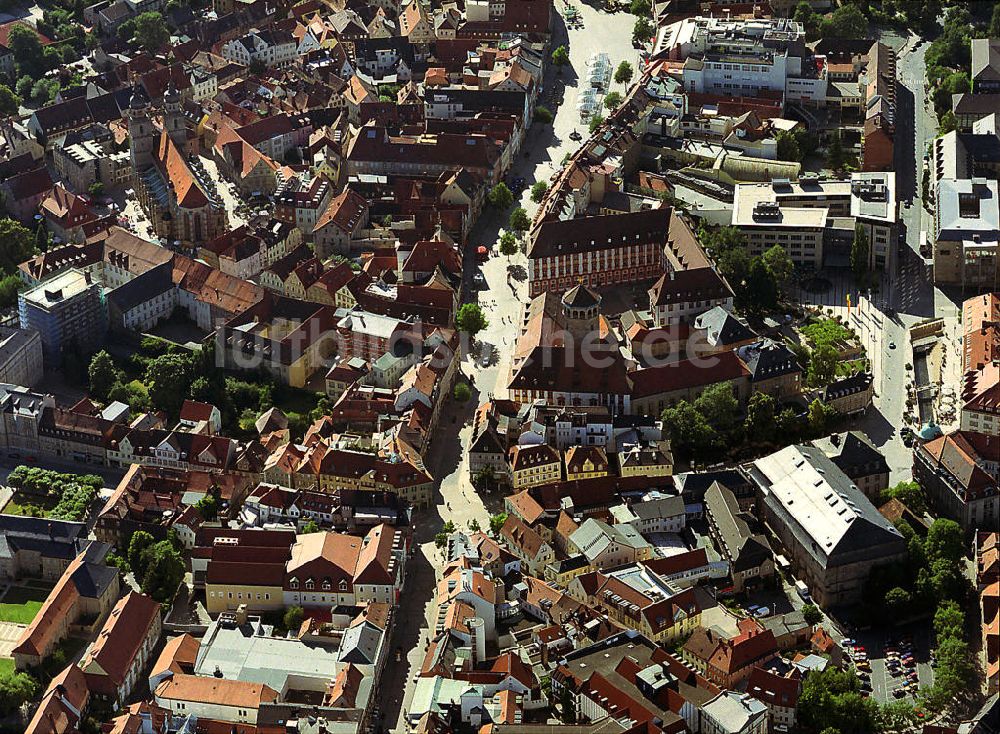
{"x": 898, "y": 693}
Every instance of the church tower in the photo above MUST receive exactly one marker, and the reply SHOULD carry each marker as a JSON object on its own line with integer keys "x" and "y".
{"x": 141, "y": 132}
{"x": 173, "y": 116}
{"x": 581, "y": 311}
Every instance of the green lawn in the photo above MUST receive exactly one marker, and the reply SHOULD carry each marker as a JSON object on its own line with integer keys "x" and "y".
{"x": 20, "y": 604}
{"x": 32, "y": 506}
{"x": 6, "y": 666}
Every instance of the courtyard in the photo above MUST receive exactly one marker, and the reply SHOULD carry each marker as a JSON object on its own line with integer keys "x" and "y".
{"x": 20, "y": 603}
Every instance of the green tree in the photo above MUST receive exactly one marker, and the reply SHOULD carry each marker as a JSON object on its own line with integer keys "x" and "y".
{"x": 151, "y": 31}
{"x": 624, "y": 73}
{"x": 780, "y": 265}
{"x": 832, "y": 698}
{"x": 823, "y": 361}
{"x": 470, "y": 319}
{"x": 441, "y": 539}
{"x": 811, "y": 614}
{"x": 497, "y": 522}
{"x": 640, "y": 7}
{"x": 718, "y": 406}
{"x": 18, "y": 242}
{"x": 949, "y": 620}
{"x": 820, "y": 415}
{"x": 164, "y": 571}
{"x": 16, "y": 689}
{"x": 10, "y": 286}
{"x": 519, "y": 221}
{"x": 292, "y": 619}
{"x": 612, "y": 100}
{"x": 309, "y": 528}
{"x": 96, "y": 189}
{"x": 41, "y": 237}
{"x": 690, "y": 433}
{"x": 788, "y": 146}
{"x": 169, "y": 378}
{"x": 808, "y": 17}
{"x": 103, "y": 375}
{"x": 898, "y": 603}
{"x": 860, "y": 254}
{"x": 567, "y": 702}
{"x": 500, "y": 197}
{"x": 759, "y": 423}
{"x": 909, "y": 493}
{"x": 948, "y": 122}
{"x": 944, "y": 541}
{"x": 642, "y": 31}
{"x": 994, "y": 27}
{"x": 762, "y": 287}
{"x": 27, "y": 48}
{"x": 508, "y": 244}
{"x": 208, "y": 507}
{"x": 9, "y": 102}
{"x": 560, "y": 57}
{"x": 595, "y": 123}
{"x": 538, "y": 190}
{"x": 137, "y": 545}
{"x": 543, "y": 115}
{"x": 474, "y": 526}
{"x": 847, "y": 21}
{"x": 462, "y": 392}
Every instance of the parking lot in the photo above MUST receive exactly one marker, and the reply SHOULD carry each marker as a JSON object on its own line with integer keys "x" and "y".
{"x": 893, "y": 666}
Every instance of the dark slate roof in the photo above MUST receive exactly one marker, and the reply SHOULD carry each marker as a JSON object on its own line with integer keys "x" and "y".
{"x": 50, "y": 538}
{"x": 854, "y": 454}
{"x": 92, "y": 580}
{"x": 147, "y": 286}
{"x": 856, "y": 383}
{"x": 742, "y": 547}
{"x": 580, "y": 296}
{"x": 768, "y": 359}
{"x": 722, "y": 327}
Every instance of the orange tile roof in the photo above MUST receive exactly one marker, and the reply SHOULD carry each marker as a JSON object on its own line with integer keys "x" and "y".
{"x": 39, "y": 636}
{"x": 175, "y": 169}
{"x": 118, "y": 643}
{"x": 178, "y": 655}
{"x": 221, "y": 691}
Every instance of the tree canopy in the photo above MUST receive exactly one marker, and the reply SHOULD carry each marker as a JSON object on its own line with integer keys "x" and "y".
{"x": 519, "y": 220}
{"x": 624, "y": 73}
{"x": 470, "y": 319}
{"x": 151, "y": 31}
{"x": 500, "y": 197}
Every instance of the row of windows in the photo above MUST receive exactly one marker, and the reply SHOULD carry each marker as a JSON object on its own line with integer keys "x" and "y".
{"x": 239, "y": 595}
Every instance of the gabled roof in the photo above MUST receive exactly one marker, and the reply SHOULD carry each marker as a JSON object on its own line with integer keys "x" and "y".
{"x": 109, "y": 658}
{"x": 175, "y": 169}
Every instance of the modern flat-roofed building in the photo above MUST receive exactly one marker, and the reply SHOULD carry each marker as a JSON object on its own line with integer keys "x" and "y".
{"x": 814, "y": 219}
{"x": 743, "y": 58}
{"x": 831, "y": 532}
{"x": 65, "y": 310}
{"x": 966, "y": 233}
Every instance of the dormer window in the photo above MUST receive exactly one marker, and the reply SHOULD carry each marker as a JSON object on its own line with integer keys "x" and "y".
{"x": 293, "y": 583}
{"x": 310, "y": 584}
